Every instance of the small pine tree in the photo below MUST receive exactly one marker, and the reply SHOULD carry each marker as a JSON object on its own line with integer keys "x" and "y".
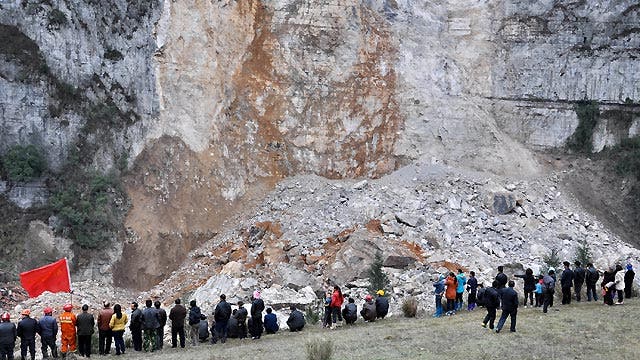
{"x": 551, "y": 260}
{"x": 378, "y": 280}
{"x": 583, "y": 253}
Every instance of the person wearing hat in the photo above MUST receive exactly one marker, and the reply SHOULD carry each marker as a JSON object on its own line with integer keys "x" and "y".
{"x": 104, "y": 330}
{"x": 628, "y": 281}
{"x": 27, "y": 329}
{"x": 221, "y": 316}
{"x": 8, "y": 334}
{"x": 382, "y": 305}
{"x": 368, "y": 311}
{"x": 68, "y": 330}
{"x": 257, "y": 307}
{"x": 566, "y": 282}
{"x": 549, "y": 288}
{"x": 85, "y": 323}
{"x": 48, "y": 333}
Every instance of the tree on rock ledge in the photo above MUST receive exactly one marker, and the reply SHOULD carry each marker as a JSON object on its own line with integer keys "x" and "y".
{"x": 377, "y": 278}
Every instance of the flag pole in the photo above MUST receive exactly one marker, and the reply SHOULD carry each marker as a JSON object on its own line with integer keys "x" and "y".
{"x": 69, "y": 276}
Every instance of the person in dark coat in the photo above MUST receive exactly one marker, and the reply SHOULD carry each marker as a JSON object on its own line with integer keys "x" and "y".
{"x": 203, "y": 329}
{"x": 350, "y": 311}
{"x": 509, "y": 307}
{"x": 368, "y": 311}
{"x": 296, "y": 320}
{"x": 27, "y": 330}
{"x": 501, "y": 279}
{"x": 150, "y": 324}
{"x": 104, "y": 330}
{"x": 472, "y": 289}
{"x": 548, "y": 289}
{"x": 566, "y": 282}
{"x": 529, "y": 285}
{"x": 241, "y": 316}
{"x": 221, "y": 316}
{"x": 578, "y": 279}
{"x": 233, "y": 331}
{"x": 135, "y": 325}
{"x": 382, "y": 305}
{"x": 8, "y": 335}
{"x": 491, "y": 300}
{"x": 162, "y": 321}
{"x": 48, "y": 333}
{"x": 608, "y": 277}
{"x": 85, "y": 324}
{"x": 194, "y": 322}
{"x": 271, "y": 322}
{"x": 177, "y": 315}
{"x": 629, "y": 275}
{"x": 591, "y": 279}
{"x": 257, "y": 307}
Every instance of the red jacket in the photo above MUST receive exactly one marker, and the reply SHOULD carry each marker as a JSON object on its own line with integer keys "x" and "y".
{"x": 450, "y": 293}
{"x": 337, "y": 299}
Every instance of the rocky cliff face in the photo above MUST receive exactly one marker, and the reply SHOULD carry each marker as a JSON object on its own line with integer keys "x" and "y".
{"x": 215, "y": 102}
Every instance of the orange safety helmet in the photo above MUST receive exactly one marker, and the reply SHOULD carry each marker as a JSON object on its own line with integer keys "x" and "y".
{"x": 48, "y": 310}
{"x": 26, "y": 312}
{"x": 67, "y": 307}
{"x": 6, "y": 317}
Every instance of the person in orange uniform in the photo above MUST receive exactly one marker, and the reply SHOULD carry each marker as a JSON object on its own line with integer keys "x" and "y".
{"x": 68, "y": 329}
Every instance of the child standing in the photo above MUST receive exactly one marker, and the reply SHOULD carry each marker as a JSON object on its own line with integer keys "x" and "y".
{"x": 538, "y": 291}
{"x": 438, "y": 284}
{"x": 326, "y": 320}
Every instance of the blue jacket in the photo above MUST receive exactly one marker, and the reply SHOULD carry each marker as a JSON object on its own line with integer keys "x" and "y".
{"x": 462, "y": 281}
{"x": 439, "y": 287}
{"x": 538, "y": 288}
{"x": 271, "y": 323}
{"x": 48, "y": 326}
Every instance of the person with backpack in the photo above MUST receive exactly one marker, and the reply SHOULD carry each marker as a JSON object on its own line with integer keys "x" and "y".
{"x": 221, "y": 316}
{"x": 472, "y": 289}
{"x": 529, "y": 286}
{"x": 509, "y": 307}
{"x": 491, "y": 300}
{"x": 450, "y": 293}
{"x": 461, "y": 281}
{"x": 629, "y": 275}
{"x": 578, "y": 279}
{"x": 194, "y": 322}
{"x": 549, "y": 285}
{"x": 591, "y": 278}
{"x": 438, "y": 291}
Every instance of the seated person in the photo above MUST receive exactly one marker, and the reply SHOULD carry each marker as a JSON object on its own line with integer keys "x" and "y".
{"x": 296, "y": 319}
{"x": 271, "y": 322}
{"x": 350, "y": 312}
{"x": 368, "y": 311}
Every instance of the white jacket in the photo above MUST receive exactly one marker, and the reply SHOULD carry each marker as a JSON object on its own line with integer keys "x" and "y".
{"x": 620, "y": 280}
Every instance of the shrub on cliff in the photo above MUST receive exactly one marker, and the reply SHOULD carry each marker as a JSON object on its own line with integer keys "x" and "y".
{"x": 23, "y": 163}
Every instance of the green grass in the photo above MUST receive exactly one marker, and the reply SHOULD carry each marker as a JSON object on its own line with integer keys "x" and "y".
{"x": 577, "y": 331}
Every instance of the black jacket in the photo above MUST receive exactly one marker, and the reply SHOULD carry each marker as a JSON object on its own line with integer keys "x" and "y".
{"x": 150, "y": 319}
{"x": 222, "y": 311}
{"x": 509, "y": 300}
{"x": 628, "y": 278}
{"x": 382, "y": 306}
{"x": 578, "y": 276}
{"x": 27, "y": 328}
{"x": 566, "y": 280}
{"x": 135, "y": 322}
{"x": 203, "y": 330}
{"x": 529, "y": 282}
{"x": 162, "y": 317}
{"x": 194, "y": 315}
{"x": 257, "y": 307}
{"x": 8, "y": 333}
{"x": 85, "y": 323}
{"x": 592, "y": 276}
{"x": 233, "y": 331}
{"x": 177, "y": 315}
{"x": 296, "y": 320}
{"x": 491, "y": 297}
{"x": 502, "y": 280}
{"x": 241, "y": 315}
{"x": 350, "y": 311}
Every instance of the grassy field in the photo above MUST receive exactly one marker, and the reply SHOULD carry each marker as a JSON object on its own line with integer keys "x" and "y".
{"x": 577, "y": 331}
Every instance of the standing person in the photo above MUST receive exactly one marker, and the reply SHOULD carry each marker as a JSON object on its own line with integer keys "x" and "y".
{"x": 136, "y": 326}
{"x": 619, "y": 284}
{"x": 549, "y": 285}
{"x": 461, "y": 281}
{"x": 85, "y": 324}
{"x": 8, "y": 335}
{"x": 336, "y": 305}
{"x": 450, "y": 293}
{"x": 438, "y": 291}
{"x": 326, "y": 320}
{"x": 509, "y": 307}
{"x": 150, "y": 324}
{"x": 578, "y": 279}
{"x": 529, "y": 286}
{"x": 608, "y": 279}
{"x": 271, "y": 322}
{"x": 296, "y": 320}
{"x": 27, "y": 329}
{"x": 177, "y": 315}
{"x": 628, "y": 281}
{"x": 221, "y": 316}
{"x": 48, "y": 333}
{"x": 368, "y": 311}
{"x": 241, "y": 316}
{"x": 68, "y": 330}
{"x": 194, "y": 322}
{"x": 591, "y": 279}
{"x": 539, "y": 291}
{"x": 566, "y": 282}
{"x": 472, "y": 289}
{"x": 350, "y": 311}
{"x": 382, "y": 305}
{"x": 104, "y": 331}
{"x": 501, "y": 278}
{"x": 117, "y": 324}
{"x": 162, "y": 320}
{"x": 491, "y": 300}
{"x": 257, "y": 307}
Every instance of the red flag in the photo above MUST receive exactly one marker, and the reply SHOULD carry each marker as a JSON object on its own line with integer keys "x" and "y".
{"x": 53, "y": 277}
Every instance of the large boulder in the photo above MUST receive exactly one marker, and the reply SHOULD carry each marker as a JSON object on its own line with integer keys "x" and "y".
{"x": 278, "y": 297}
{"x": 503, "y": 203}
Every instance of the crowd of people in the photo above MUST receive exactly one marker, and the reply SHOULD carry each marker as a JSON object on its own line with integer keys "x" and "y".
{"x": 616, "y": 283}
{"x": 147, "y": 325}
